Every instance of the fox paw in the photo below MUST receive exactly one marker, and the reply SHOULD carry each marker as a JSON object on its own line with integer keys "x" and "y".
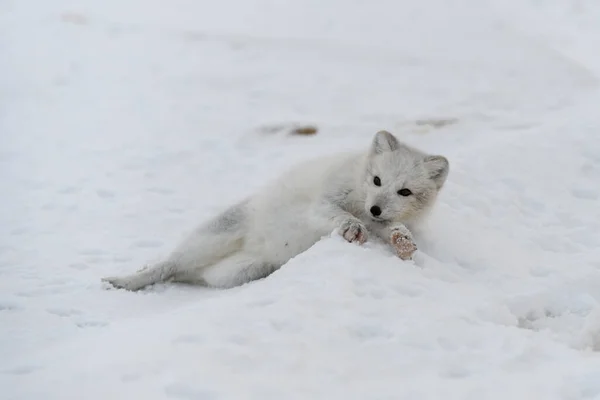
{"x": 353, "y": 231}
{"x": 122, "y": 283}
{"x": 403, "y": 243}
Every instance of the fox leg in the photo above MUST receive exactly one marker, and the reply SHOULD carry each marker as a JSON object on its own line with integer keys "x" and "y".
{"x": 210, "y": 243}
{"x": 235, "y": 270}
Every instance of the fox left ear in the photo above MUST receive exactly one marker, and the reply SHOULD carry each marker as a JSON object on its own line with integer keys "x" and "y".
{"x": 384, "y": 141}
{"x": 438, "y": 168}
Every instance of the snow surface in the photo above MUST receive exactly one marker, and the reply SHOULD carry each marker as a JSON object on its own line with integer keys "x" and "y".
{"x": 123, "y": 124}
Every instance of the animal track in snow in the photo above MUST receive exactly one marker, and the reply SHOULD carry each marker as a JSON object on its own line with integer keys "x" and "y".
{"x": 91, "y": 324}
{"x": 8, "y": 305}
{"x": 22, "y": 370}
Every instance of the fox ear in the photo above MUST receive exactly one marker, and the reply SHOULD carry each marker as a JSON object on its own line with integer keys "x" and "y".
{"x": 384, "y": 141}
{"x": 438, "y": 168}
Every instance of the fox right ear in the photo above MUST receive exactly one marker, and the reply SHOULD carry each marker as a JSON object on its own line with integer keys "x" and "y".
{"x": 383, "y": 142}
{"x": 437, "y": 167}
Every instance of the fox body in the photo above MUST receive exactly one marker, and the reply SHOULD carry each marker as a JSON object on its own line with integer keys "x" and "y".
{"x": 382, "y": 191}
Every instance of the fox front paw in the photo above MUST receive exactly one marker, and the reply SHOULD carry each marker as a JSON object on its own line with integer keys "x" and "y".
{"x": 353, "y": 231}
{"x": 403, "y": 243}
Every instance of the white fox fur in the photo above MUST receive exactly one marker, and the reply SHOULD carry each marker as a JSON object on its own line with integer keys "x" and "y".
{"x": 358, "y": 193}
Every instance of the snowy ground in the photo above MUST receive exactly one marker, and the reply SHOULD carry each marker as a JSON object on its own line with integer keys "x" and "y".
{"x": 125, "y": 123}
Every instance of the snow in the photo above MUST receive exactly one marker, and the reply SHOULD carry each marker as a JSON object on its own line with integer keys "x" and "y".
{"x": 124, "y": 124}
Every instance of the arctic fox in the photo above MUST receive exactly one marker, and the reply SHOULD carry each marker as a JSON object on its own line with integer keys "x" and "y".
{"x": 380, "y": 191}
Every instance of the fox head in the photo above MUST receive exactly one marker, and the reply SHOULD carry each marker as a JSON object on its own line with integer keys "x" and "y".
{"x": 401, "y": 183}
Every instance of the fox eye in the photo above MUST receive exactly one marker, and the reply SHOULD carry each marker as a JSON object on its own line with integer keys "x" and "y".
{"x": 377, "y": 181}
{"x": 404, "y": 192}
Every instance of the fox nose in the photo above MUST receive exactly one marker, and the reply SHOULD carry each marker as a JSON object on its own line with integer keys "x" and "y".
{"x": 376, "y": 211}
